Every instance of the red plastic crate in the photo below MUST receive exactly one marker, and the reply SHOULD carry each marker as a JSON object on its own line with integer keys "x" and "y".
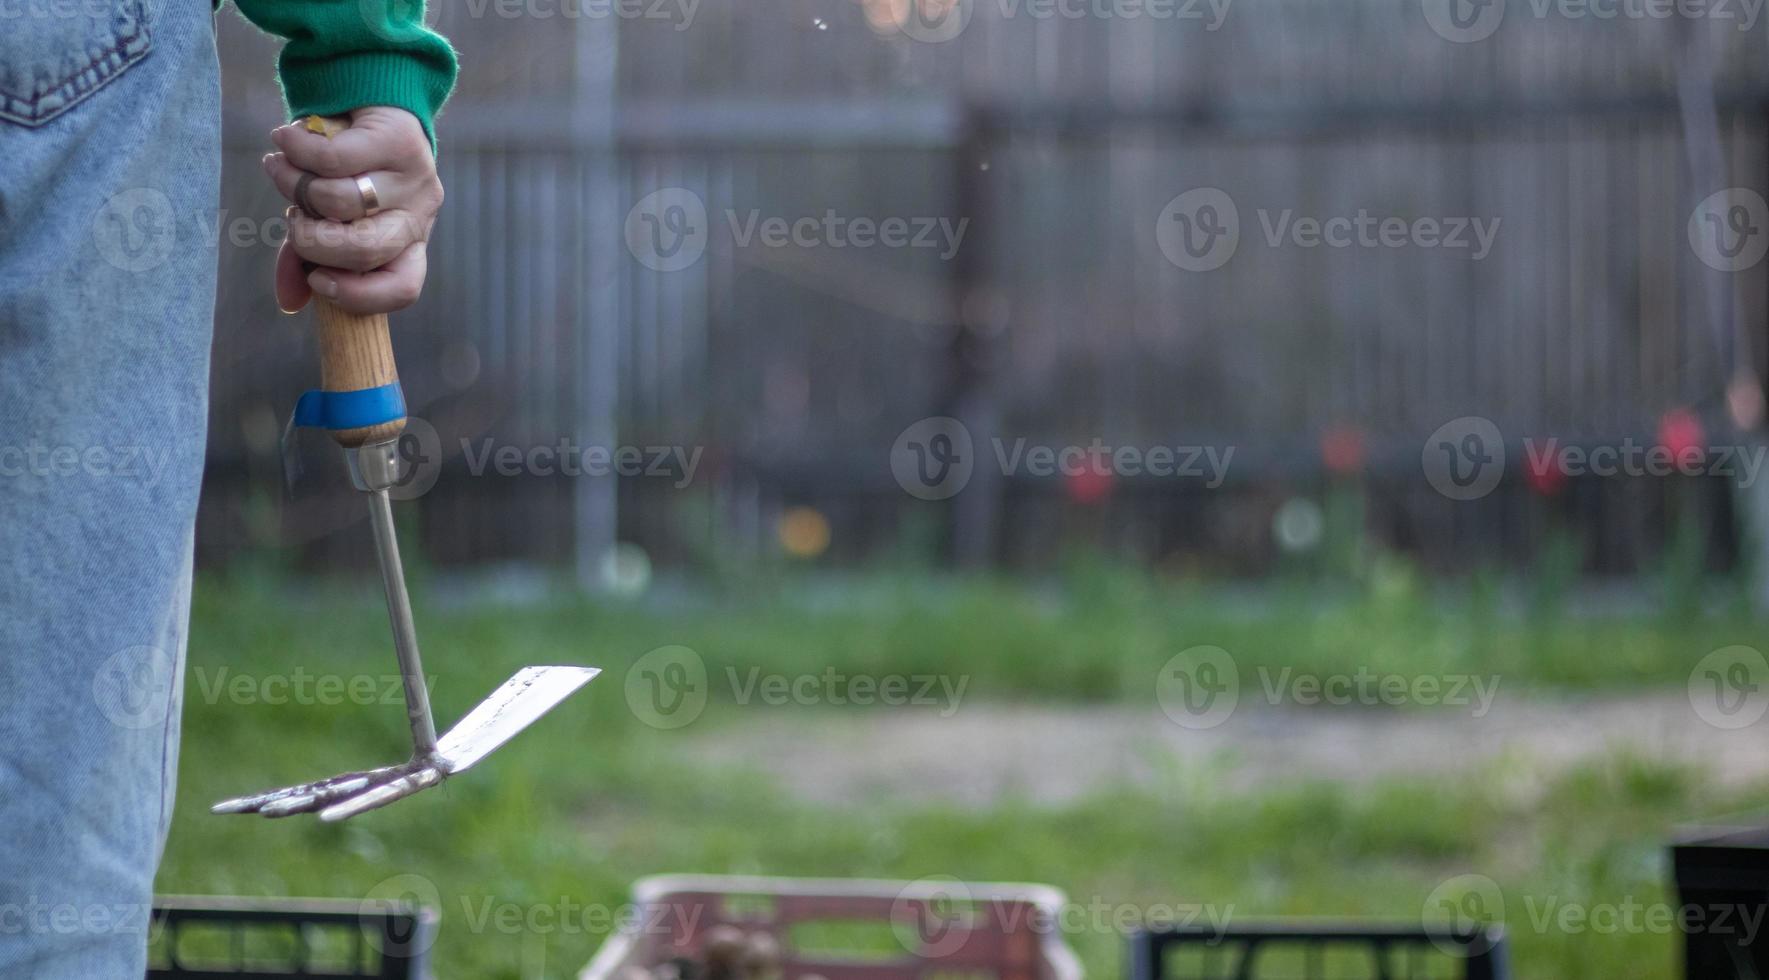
{"x": 938, "y": 930}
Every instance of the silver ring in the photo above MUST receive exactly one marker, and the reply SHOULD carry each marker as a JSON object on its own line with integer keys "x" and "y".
{"x": 371, "y": 202}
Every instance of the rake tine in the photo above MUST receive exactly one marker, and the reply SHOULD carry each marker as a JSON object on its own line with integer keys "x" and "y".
{"x": 308, "y": 802}
{"x": 258, "y": 801}
{"x": 379, "y": 796}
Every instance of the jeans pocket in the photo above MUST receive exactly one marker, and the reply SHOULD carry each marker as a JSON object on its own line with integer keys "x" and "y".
{"x": 53, "y": 53}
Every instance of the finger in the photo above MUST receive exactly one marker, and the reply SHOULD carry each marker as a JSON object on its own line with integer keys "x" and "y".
{"x": 337, "y": 198}
{"x": 292, "y": 291}
{"x": 361, "y": 245}
{"x": 391, "y": 287}
{"x": 374, "y": 144}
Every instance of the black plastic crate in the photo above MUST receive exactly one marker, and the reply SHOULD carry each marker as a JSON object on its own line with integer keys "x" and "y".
{"x": 262, "y": 939}
{"x": 1319, "y": 951}
{"x": 1723, "y": 886}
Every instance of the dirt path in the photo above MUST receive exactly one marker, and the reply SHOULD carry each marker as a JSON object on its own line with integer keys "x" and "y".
{"x": 982, "y": 753}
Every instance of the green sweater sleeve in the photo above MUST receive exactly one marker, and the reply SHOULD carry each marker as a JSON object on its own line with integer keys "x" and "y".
{"x": 346, "y": 54}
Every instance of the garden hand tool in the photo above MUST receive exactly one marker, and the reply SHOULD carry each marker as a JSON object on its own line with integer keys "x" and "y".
{"x": 361, "y": 404}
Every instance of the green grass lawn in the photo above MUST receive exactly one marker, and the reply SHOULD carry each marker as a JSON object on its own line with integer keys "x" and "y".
{"x": 591, "y": 799}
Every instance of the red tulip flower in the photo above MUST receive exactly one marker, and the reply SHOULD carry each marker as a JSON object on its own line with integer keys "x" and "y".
{"x": 1680, "y": 431}
{"x": 1342, "y": 450}
{"x": 1088, "y": 485}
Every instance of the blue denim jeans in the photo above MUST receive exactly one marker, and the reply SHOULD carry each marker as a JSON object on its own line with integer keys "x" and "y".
{"x": 109, "y": 178}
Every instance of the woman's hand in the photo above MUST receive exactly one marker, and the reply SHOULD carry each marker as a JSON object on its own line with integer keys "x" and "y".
{"x": 362, "y": 263}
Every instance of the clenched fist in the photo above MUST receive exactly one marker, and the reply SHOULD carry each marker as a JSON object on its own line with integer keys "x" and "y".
{"x": 363, "y": 262}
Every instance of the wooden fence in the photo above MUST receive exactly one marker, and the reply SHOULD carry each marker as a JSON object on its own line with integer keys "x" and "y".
{"x": 1057, "y": 142}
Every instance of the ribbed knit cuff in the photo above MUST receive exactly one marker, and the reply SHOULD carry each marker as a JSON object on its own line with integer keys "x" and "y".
{"x": 339, "y": 84}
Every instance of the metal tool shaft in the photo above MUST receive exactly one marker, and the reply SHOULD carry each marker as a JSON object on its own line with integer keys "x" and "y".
{"x": 522, "y": 700}
{"x": 405, "y": 633}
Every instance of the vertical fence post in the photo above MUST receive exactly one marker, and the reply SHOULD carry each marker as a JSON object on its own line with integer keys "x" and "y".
{"x": 1754, "y": 369}
{"x": 970, "y": 396}
{"x": 595, "y": 500}
{"x": 1752, "y": 497}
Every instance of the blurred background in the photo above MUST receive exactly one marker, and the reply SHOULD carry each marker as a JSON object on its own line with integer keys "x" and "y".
{"x": 1584, "y": 142}
{"x": 1038, "y": 349}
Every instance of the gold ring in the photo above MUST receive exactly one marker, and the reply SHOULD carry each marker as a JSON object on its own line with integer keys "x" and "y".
{"x": 371, "y": 202}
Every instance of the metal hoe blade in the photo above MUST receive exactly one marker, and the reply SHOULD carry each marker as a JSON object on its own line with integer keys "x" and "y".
{"x": 520, "y": 702}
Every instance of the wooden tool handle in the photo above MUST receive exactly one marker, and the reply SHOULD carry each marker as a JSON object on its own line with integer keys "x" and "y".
{"x": 355, "y": 352}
